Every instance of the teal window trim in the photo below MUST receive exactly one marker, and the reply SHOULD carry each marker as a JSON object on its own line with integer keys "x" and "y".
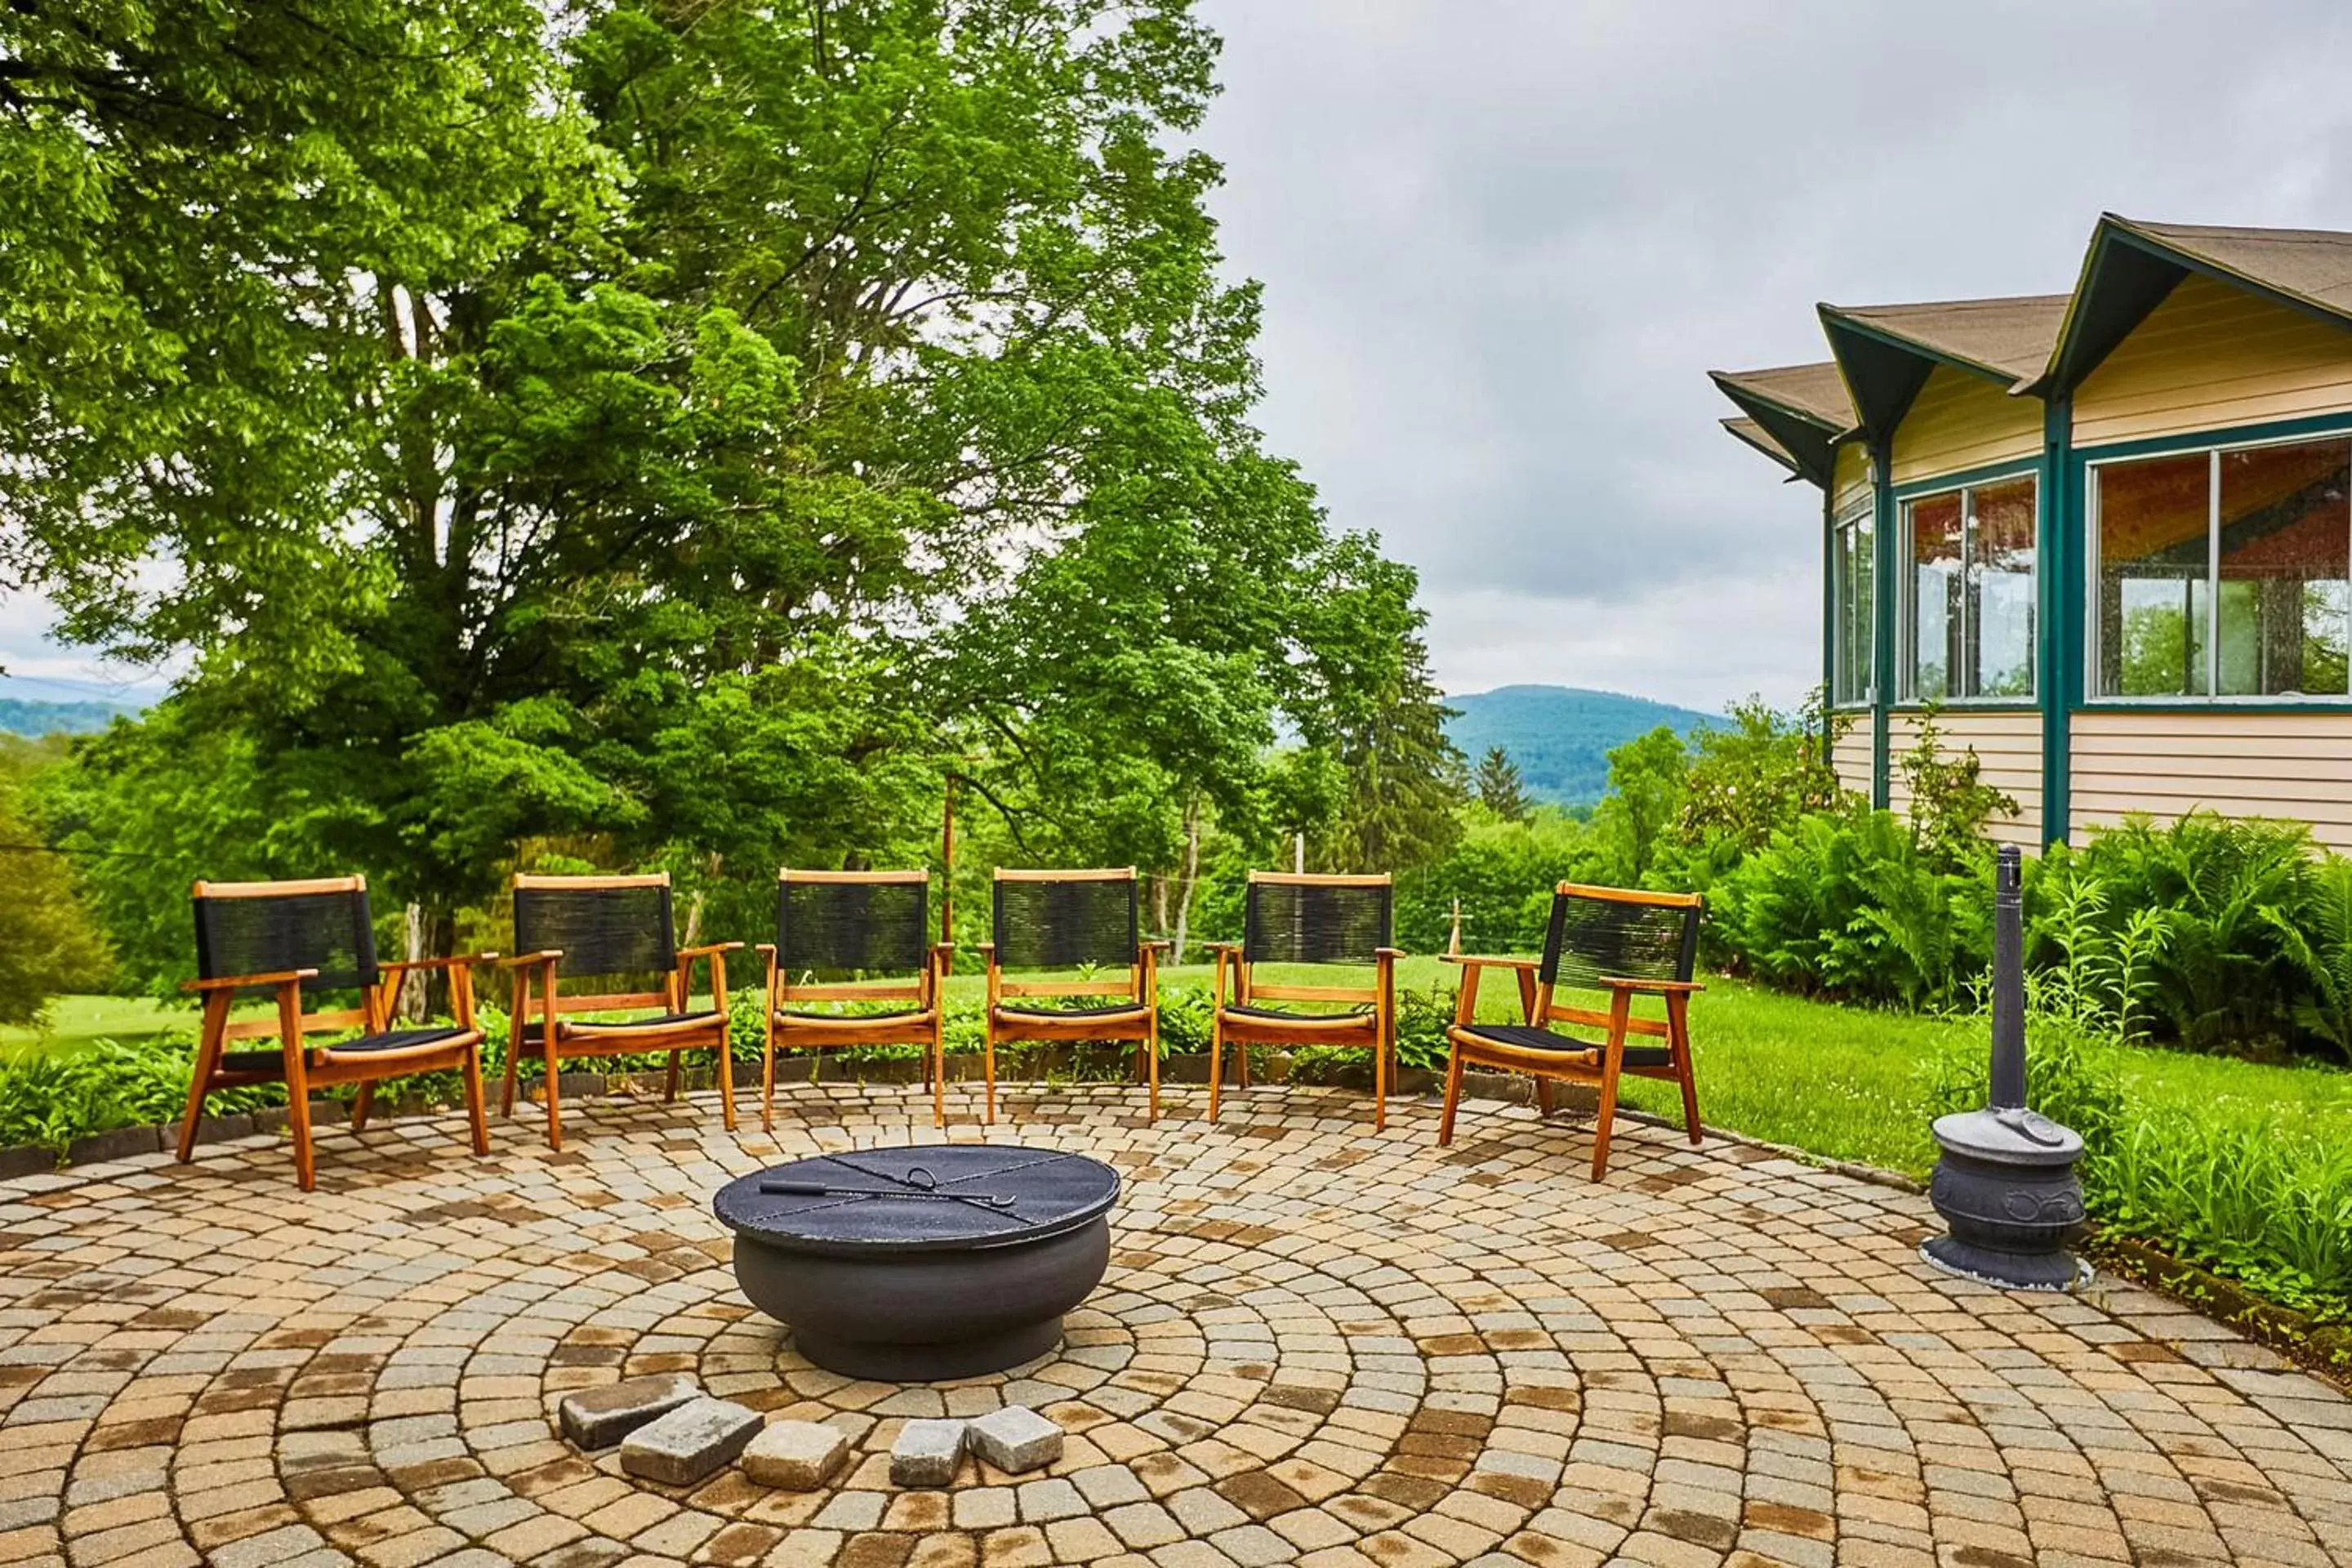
{"x": 2077, "y": 465}
{"x": 1991, "y": 473}
{"x": 2064, "y": 606}
{"x": 1829, "y": 620}
{"x": 1895, "y": 555}
{"x": 1883, "y": 585}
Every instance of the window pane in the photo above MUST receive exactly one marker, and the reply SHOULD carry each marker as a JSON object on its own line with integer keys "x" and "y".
{"x": 2154, "y": 547}
{"x": 2287, "y": 568}
{"x": 1935, "y": 595}
{"x": 2000, "y": 590}
{"x": 1854, "y": 616}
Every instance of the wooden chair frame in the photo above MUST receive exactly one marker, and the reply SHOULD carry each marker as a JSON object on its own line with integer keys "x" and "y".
{"x": 302, "y": 1066}
{"x": 1604, "y": 1063}
{"x": 1374, "y": 1030}
{"x": 545, "y": 1004}
{"x": 926, "y": 1026}
{"x": 1139, "y": 1023}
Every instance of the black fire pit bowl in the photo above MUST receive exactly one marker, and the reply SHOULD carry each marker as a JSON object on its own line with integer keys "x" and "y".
{"x": 919, "y": 1264}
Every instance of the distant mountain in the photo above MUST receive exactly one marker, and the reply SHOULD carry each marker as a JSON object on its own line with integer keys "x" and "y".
{"x": 1560, "y": 735}
{"x": 20, "y": 716}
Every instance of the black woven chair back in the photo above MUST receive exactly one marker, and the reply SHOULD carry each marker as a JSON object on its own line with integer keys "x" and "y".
{"x": 1317, "y": 923}
{"x": 262, "y": 933}
{"x": 1591, "y": 937}
{"x": 1065, "y": 922}
{"x": 600, "y": 931}
{"x": 851, "y": 928}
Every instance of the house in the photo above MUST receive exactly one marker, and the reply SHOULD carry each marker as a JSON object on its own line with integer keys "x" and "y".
{"x": 2107, "y": 534}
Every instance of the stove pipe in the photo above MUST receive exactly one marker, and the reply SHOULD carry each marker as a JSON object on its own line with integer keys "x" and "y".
{"x": 2006, "y": 1184}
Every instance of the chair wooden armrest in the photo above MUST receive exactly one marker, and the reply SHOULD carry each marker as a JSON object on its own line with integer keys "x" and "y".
{"x": 238, "y": 982}
{"x": 985, "y": 949}
{"x": 456, "y": 961}
{"x": 686, "y": 954}
{"x": 1391, "y": 953}
{"x": 1658, "y": 987}
{"x": 545, "y": 955}
{"x": 1222, "y": 946}
{"x": 1155, "y": 944}
{"x": 1482, "y": 961}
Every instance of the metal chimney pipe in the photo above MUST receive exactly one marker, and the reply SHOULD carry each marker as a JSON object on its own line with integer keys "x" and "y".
{"x": 2008, "y": 981}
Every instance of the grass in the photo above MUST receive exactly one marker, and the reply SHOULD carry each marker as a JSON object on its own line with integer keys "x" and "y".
{"x": 74, "y": 1021}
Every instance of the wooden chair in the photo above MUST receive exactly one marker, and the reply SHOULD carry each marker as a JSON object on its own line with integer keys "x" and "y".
{"x": 277, "y": 937}
{"x": 1613, "y": 939}
{"x": 612, "y": 929}
{"x": 1061, "y": 920}
{"x": 1315, "y": 919}
{"x": 839, "y": 929}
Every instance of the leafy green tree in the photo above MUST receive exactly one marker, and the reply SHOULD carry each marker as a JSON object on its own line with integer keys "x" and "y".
{"x": 1499, "y": 787}
{"x": 48, "y": 942}
{"x": 1648, "y": 781}
{"x": 1748, "y": 780}
{"x": 1406, "y": 781}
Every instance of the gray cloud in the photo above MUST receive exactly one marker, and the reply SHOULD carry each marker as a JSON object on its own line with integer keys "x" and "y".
{"x": 1503, "y": 241}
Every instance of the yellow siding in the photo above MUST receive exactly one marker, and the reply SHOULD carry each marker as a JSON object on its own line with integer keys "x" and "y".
{"x": 1851, "y": 756}
{"x": 2212, "y": 356}
{"x": 2007, "y": 744}
{"x": 2296, "y": 765}
{"x": 1850, "y": 480}
{"x": 1961, "y": 422}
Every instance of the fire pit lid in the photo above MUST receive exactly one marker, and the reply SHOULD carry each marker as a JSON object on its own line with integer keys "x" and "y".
{"x": 940, "y": 1198}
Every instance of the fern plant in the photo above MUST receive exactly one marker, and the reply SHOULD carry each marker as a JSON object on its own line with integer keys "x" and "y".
{"x": 2318, "y": 940}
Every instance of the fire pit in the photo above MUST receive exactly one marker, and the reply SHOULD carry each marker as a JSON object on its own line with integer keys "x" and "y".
{"x": 915, "y": 1265}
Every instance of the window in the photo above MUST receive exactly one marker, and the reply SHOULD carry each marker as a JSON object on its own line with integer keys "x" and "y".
{"x": 2225, "y": 573}
{"x": 1968, "y": 608}
{"x": 1854, "y": 617}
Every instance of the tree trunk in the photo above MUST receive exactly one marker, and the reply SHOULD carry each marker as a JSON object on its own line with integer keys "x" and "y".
{"x": 437, "y": 926}
{"x": 409, "y": 1006}
{"x": 1192, "y": 877}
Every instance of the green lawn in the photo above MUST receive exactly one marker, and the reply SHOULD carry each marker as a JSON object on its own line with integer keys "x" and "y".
{"x": 74, "y": 1020}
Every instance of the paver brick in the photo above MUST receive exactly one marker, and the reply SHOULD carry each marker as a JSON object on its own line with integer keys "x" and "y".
{"x": 694, "y": 1440}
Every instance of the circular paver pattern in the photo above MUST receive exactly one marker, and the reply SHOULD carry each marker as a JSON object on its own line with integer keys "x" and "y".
{"x": 1315, "y": 1344}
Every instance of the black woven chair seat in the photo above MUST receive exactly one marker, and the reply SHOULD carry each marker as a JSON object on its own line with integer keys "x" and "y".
{"x": 1291, "y": 1015}
{"x": 274, "y": 1061}
{"x": 888, "y": 1014}
{"x": 660, "y": 1022}
{"x": 1107, "y": 1010}
{"x": 1522, "y": 1037}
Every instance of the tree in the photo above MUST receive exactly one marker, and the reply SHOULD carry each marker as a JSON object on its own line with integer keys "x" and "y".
{"x": 646, "y": 471}
{"x": 1647, "y": 781}
{"x": 1406, "y": 781}
{"x": 1753, "y": 777}
{"x": 48, "y": 942}
{"x": 1499, "y": 787}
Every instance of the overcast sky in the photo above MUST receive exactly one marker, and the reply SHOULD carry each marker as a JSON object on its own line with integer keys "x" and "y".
{"x": 1503, "y": 241}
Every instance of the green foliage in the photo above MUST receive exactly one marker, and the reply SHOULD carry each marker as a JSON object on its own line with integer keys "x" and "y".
{"x": 1951, "y": 803}
{"x": 1503, "y": 872}
{"x": 1498, "y": 786}
{"x": 49, "y": 942}
{"x": 1850, "y": 905}
{"x": 2316, "y": 939}
{"x": 1762, "y": 771}
{"x": 1649, "y": 779}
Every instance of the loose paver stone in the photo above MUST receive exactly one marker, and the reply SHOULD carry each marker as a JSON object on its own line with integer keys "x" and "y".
{"x": 1016, "y": 1438}
{"x": 926, "y": 1453}
{"x": 692, "y": 1441}
{"x": 600, "y": 1417}
{"x": 797, "y": 1456}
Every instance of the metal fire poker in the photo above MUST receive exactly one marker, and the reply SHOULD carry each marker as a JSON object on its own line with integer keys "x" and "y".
{"x": 2006, "y": 1184}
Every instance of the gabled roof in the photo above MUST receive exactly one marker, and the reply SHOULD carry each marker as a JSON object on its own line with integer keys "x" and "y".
{"x": 1756, "y": 436}
{"x": 2131, "y": 266}
{"x": 1801, "y": 407}
{"x": 1887, "y": 351}
{"x": 2040, "y": 345}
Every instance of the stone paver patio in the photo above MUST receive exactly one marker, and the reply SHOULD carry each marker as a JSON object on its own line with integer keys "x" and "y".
{"x": 1315, "y": 1345}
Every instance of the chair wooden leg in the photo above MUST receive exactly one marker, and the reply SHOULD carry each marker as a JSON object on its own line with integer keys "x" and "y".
{"x": 725, "y": 1079}
{"x": 361, "y": 1103}
{"x": 1678, "y": 1021}
{"x": 1240, "y": 1065}
{"x": 1613, "y": 1058}
{"x": 988, "y": 1074}
{"x": 1453, "y": 1093}
{"x": 939, "y": 1058}
{"x": 768, "y": 1074}
{"x": 209, "y": 1056}
{"x": 1216, "y": 1061}
{"x": 1543, "y": 1095}
{"x": 669, "y": 1085}
{"x": 297, "y": 1119}
{"x": 1151, "y": 1063}
{"x": 480, "y": 1123}
{"x": 555, "y": 1096}
{"x": 1380, "y": 1086}
{"x": 514, "y": 1060}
